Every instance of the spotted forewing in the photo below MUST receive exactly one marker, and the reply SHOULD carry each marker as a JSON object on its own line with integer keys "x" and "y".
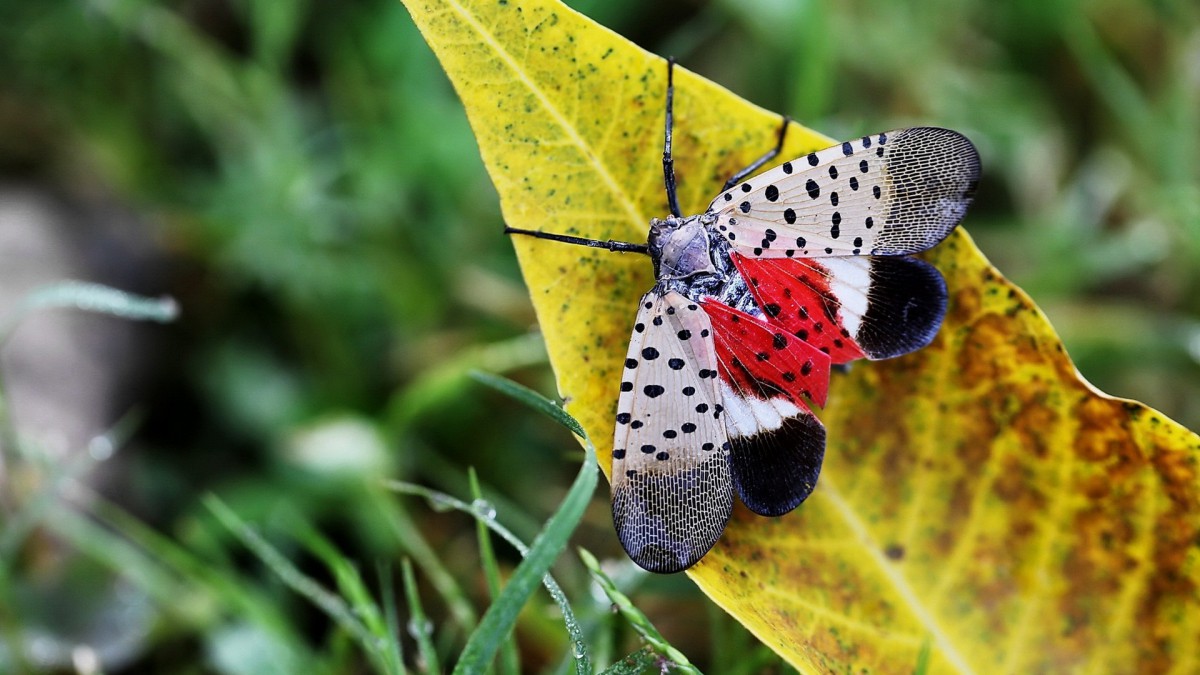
{"x": 672, "y": 490}
{"x": 894, "y": 193}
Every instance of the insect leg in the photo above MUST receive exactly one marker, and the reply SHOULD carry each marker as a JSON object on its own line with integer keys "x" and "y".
{"x": 668, "y": 161}
{"x": 758, "y": 163}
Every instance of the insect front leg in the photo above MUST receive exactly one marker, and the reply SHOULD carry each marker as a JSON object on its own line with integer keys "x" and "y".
{"x": 758, "y": 163}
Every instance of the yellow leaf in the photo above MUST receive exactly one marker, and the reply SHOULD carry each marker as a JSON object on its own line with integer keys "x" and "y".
{"x": 981, "y": 506}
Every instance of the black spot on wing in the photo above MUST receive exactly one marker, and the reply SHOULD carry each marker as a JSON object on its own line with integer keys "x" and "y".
{"x": 668, "y": 520}
{"x": 905, "y": 307}
{"x": 763, "y": 388}
{"x": 774, "y": 471}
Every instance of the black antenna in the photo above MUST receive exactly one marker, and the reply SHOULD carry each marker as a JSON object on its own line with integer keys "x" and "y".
{"x": 668, "y": 161}
{"x": 668, "y": 179}
{"x": 611, "y": 245}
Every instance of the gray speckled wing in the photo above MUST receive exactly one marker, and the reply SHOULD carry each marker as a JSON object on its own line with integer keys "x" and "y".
{"x": 672, "y": 489}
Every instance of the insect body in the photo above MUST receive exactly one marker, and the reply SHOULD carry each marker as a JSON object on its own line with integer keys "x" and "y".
{"x": 785, "y": 274}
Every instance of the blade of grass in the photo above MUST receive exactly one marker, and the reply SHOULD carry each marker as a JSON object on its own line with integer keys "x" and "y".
{"x": 77, "y": 295}
{"x": 812, "y": 90}
{"x": 452, "y": 479}
{"x": 530, "y": 398}
{"x": 419, "y": 625}
{"x": 443, "y": 501}
{"x": 724, "y": 657}
{"x": 187, "y": 603}
{"x": 214, "y": 581}
{"x": 923, "y": 657}
{"x": 442, "y": 383}
{"x": 501, "y": 615}
{"x": 350, "y": 585}
{"x": 395, "y": 651}
{"x": 634, "y": 616}
{"x": 90, "y": 297}
{"x": 598, "y": 623}
{"x": 219, "y": 91}
{"x": 118, "y": 554}
{"x": 182, "y": 585}
{"x": 735, "y": 651}
{"x": 410, "y": 537}
{"x": 12, "y": 635}
{"x": 509, "y": 660}
{"x": 102, "y": 447}
{"x": 328, "y": 602}
{"x": 636, "y": 663}
{"x": 1112, "y": 84}
{"x": 32, "y": 511}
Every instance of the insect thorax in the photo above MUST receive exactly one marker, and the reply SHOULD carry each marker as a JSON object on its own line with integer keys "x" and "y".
{"x": 693, "y": 260}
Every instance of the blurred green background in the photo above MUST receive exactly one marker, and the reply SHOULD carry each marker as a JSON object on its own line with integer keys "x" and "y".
{"x": 301, "y": 178}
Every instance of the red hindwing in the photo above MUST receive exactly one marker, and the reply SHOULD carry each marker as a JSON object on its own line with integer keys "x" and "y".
{"x": 797, "y": 295}
{"x": 761, "y": 358}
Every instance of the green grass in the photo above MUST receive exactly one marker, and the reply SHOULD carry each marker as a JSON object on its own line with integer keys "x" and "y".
{"x": 316, "y": 207}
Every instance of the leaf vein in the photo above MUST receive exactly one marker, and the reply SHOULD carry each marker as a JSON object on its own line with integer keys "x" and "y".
{"x": 901, "y": 585}
{"x": 569, "y": 128}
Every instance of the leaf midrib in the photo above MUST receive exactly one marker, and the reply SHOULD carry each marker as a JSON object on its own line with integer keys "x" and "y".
{"x": 622, "y": 197}
{"x": 906, "y": 592}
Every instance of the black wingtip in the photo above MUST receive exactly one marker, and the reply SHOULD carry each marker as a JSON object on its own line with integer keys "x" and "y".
{"x": 935, "y": 173}
{"x": 668, "y": 521}
{"x": 775, "y": 471}
{"x": 905, "y": 307}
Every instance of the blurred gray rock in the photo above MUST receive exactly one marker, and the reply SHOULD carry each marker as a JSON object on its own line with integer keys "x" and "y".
{"x": 70, "y": 375}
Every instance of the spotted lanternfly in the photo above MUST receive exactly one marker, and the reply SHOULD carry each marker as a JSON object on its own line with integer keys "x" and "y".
{"x": 785, "y": 274}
